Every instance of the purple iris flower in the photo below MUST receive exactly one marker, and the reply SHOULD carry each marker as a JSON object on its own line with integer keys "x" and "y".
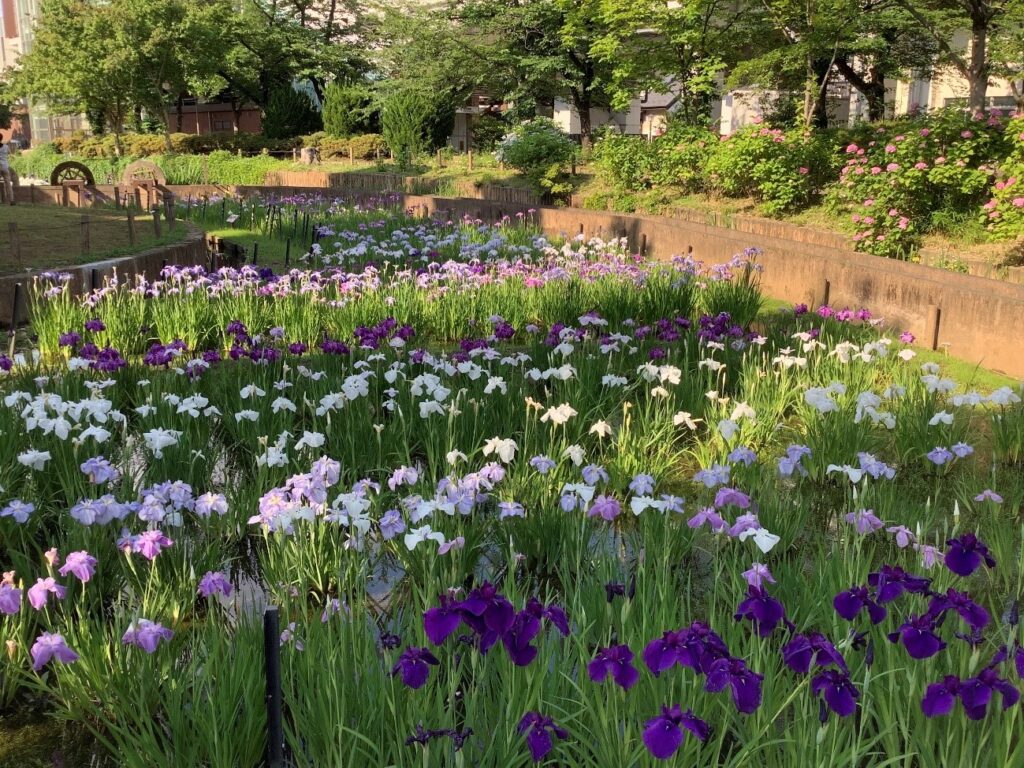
{"x": 742, "y": 455}
{"x": 757, "y": 575}
{"x": 414, "y": 666}
{"x": 440, "y": 622}
{"x": 214, "y": 582}
{"x": 146, "y": 634}
{"x": 939, "y": 456}
{"x": 605, "y": 507}
{"x": 10, "y": 598}
{"x": 731, "y": 496}
{"x": 488, "y": 613}
{"x": 81, "y": 564}
{"x": 711, "y": 517}
{"x": 696, "y": 647}
{"x": 95, "y": 325}
{"x": 790, "y": 463}
{"x": 391, "y": 524}
{"x": 616, "y": 661}
{"x": 539, "y": 730}
{"x": 663, "y": 735}
{"x": 51, "y": 646}
{"x": 99, "y": 470}
{"x": 966, "y": 554}
{"x": 974, "y": 693}
{"x": 542, "y": 464}
{"x": 839, "y": 691}
{"x": 642, "y": 485}
{"x": 593, "y": 474}
{"x": 518, "y": 638}
{"x": 892, "y": 581}
{"x": 850, "y": 603}
{"x": 149, "y": 544}
{"x": 39, "y": 594}
{"x": 553, "y": 614}
{"x": 762, "y": 609}
{"x": 865, "y": 521}
{"x": 918, "y": 636}
{"x": 803, "y": 652}
{"x": 713, "y": 476}
{"x": 744, "y": 683}
{"x": 976, "y": 616}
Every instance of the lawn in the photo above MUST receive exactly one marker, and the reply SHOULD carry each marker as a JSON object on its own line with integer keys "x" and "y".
{"x": 51, "y": 236}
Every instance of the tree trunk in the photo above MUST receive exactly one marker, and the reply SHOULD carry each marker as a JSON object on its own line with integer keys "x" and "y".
{"x": 236, "y": 111}
{"x": 581, "y": 102}
{"x": 979, "y": 66}
{"x": 181, "y": 111}
{"x": 871, "y": 88}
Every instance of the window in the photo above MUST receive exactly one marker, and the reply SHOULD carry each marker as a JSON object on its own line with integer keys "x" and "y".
{"x": 221, "y": 126}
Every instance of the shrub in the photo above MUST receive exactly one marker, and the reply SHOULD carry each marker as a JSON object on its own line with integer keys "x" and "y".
{"x": 368, "y": 146}
{"x": 903, "y": 177}
{"x": 783, "y": 171}
{"x": 625, "y": 161}
{"x": 347, "y": 110}
{"x": 487, "y": 131}
{"x": 1003, "y": 214}
{"x": 540, "y": 151}
{"x": 290, "y": 113}
{"x": 404, "y": 121}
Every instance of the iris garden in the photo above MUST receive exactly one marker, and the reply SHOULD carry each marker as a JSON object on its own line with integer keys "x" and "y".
{"x": 520, "y": 500}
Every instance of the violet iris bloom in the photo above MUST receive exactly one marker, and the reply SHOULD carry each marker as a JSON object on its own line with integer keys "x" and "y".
{"x": 617, "y": 661}
{"x": 731, "y": 496}
{"x": 414, "y": 666}
{"x": 440, "y": 622}
{"x": 149, "y": 544}
{"x": 39, "y": 594}
{"x": 539, "y": 729}
{"x": 850, "y": 603}
{"x": 744, "y": 683}
{"x": 81, "y": 564}
{"x": 892, "y": 581}
{"x": 214, "y": 582}
{"x": 974, "y": 693}
{"x": 812, "y": 650}
{"x": 696, "y": 647}
{"x": 605, "y": 507}
{"x": 762, "y": 609}
{"x": 839, "y": 691}
{"x": 146, "y": 634}
{"x": 663, "y": 735}
{"x": 976, "y": 616}
{"x": 966, "y": 554}
{"x": 917, "y": 634}
{"x": 51, "y": 646}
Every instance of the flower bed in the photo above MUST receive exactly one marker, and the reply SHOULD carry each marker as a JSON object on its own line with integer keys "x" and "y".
{"x": 517, "y": 501}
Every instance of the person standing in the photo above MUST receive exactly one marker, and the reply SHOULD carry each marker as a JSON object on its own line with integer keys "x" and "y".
{"x": 5, "y": 171}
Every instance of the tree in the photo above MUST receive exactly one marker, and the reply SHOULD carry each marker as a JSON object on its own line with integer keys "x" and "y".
{"x": 348, "y": 109}
{"x": 79, "y": 62}
{"x": 404, "y": 122}
{"x": 1007, "y": 50}
{"x": 941, "y": 19}
{"x": 539, "y": 49}
{"x": 290, "y": 113}
{"x": 648, "y": 44}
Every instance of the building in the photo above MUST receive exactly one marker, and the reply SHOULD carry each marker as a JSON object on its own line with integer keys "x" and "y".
{"x": 34, "y": 123}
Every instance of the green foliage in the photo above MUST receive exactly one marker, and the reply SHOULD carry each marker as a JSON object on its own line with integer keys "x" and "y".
{"x": 290, "y": 113}
{"x": 347, "y": 110}
{"x": 783, "y": 171}
{"x": 365, "y": 147}
{"x": 539, "y": 150}
{"x": 676, "y": 158}
{"x": 488, "y": 130}
{"x": 404, "y": 121}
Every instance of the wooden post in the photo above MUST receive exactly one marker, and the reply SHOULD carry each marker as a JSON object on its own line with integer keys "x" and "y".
{"x": 14, "y": 318}
{"x": 157, "y": 230}
{"x": 931, "y": 334}
{"x": 65, "y": 198}
{"x": 86, "y": 239}
{"x": 469, "y": 163}
{"x": 643, "y": 244}
{"x": 351, "y": 156}
{"x": 287, "y": 251}
{"x": 12, "y": 230}
{"x": 255, "y": 253}
{"x": 169, "y": 205}
{"x": 272, "y": 661}
{"x": 117, "y": 197}
{"x": 138, "y": 197}
{"x": 131, "y": 227}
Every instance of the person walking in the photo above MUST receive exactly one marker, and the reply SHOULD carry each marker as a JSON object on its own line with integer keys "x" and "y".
{"x": 5, "y": 171}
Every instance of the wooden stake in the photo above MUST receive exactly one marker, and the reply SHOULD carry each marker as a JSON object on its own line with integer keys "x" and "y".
{"x": 131, "y": 227}
{"x": 86, "y": 238}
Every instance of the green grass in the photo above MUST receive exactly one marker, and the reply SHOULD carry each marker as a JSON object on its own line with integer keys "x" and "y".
{"x": 51, "y": 236}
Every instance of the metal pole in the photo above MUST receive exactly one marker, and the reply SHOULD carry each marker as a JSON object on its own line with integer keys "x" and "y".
{"x": 272, "y": 656}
